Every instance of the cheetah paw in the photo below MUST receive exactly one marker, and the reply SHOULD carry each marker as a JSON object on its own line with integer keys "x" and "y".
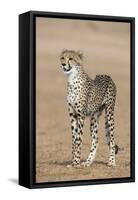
{"x": 73, "y": 166}
{"x": 69, "y": 166}
{"x": 110, "y": 164}
{"x": 85, "y": 164}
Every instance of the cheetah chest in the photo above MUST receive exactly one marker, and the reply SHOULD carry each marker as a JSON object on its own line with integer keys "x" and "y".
{"x": 73, "y": 93}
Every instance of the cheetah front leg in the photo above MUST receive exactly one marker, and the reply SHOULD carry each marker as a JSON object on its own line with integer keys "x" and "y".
{"x": 77, "y": 123}
{"x": 94, "y": 122}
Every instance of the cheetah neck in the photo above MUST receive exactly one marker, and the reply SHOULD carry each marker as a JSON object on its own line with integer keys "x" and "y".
{"x": 74, "y": 74}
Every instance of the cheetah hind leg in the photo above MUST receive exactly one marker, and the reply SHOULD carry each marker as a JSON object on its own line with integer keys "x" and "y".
{"x": 109, "y": 128}
{"x": 94, "y": 122}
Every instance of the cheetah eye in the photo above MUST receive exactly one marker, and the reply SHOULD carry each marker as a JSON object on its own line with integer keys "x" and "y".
{"x": 62, "y": 58}
{"x": 70, "y": 58}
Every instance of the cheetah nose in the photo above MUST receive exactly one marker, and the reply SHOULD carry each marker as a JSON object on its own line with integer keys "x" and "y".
{"x": 63, "y": 64}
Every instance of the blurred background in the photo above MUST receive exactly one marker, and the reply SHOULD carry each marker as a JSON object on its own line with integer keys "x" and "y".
{"x": 106, "y": 49}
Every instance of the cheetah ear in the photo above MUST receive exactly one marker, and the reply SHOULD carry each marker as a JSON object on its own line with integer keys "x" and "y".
{"x": 64, "y": 50}
{"x": 80, "y": 54}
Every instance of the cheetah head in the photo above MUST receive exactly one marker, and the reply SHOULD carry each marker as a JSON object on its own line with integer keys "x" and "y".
{"x": 70, "y": 60}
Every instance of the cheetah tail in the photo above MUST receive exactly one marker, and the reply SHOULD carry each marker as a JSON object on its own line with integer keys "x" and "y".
{"x": 117, "y": 148}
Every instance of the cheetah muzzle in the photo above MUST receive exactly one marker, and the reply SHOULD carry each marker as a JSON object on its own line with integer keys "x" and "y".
{"x": 87, "y": 97}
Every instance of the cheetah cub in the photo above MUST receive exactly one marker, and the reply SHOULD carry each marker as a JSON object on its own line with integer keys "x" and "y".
{"x": 87, "y": 97}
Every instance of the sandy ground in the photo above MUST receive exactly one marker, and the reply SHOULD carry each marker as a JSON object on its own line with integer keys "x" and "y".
{"x": 106, "y": 47}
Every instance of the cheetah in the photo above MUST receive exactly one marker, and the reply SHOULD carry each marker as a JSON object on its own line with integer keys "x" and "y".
{"x": 88, "y": 98}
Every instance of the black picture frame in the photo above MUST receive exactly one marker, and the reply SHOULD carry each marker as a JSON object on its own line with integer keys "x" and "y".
{"x": 27, "y": 85}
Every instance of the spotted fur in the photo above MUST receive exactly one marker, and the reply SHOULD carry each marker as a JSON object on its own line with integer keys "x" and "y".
{"x": 87, "y": 97}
